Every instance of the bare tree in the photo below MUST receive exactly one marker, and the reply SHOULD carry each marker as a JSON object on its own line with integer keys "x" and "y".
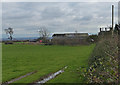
{"x": 76, "y": 31}
{"x": 9, "y": 32}
{"x": 43, "y": 32}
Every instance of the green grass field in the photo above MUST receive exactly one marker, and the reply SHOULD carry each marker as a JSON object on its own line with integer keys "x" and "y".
{"x": 20, "y": 59}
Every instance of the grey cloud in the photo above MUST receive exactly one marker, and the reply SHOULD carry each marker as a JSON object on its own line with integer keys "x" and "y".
{"x": 58, "y": 17}
{"x": 51, "y": 13}
{"x": 83, "y": 18}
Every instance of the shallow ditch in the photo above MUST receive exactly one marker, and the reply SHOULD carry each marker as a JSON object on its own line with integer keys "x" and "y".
{"x": 16, "y": 79}
{"x": 49, "y": 77}
{"x": 39, "y": 82}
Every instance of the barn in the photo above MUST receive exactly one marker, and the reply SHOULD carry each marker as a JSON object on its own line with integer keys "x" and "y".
{"x": 69, "y": 38}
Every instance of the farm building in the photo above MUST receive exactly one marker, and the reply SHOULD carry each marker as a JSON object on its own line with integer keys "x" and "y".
{"x": 105, "y": 31}
{"x": 70, "y": 38}
{"x": 71, "y": 35}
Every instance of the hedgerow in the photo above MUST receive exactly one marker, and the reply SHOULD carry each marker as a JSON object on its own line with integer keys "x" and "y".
{"x": 103, "y": 63}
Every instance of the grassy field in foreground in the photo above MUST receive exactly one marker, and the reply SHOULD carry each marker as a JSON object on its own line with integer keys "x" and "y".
{"x": 20, "y": 59}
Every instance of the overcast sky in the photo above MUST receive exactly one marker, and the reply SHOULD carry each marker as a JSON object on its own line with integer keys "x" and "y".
{"x": 27, "y": 17}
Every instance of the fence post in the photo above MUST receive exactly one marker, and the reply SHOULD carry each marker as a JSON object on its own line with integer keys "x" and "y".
{"x": 112, "y": 18}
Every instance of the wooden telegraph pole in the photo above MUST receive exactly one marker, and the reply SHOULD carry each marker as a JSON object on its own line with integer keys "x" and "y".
{"x": 112, "y": 18}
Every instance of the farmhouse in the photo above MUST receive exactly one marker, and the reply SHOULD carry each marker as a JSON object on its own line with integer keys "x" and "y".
{"x": 70, "y": 38}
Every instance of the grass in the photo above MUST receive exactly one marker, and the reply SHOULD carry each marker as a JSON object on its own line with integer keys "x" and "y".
{"x": 20, "y": 59}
